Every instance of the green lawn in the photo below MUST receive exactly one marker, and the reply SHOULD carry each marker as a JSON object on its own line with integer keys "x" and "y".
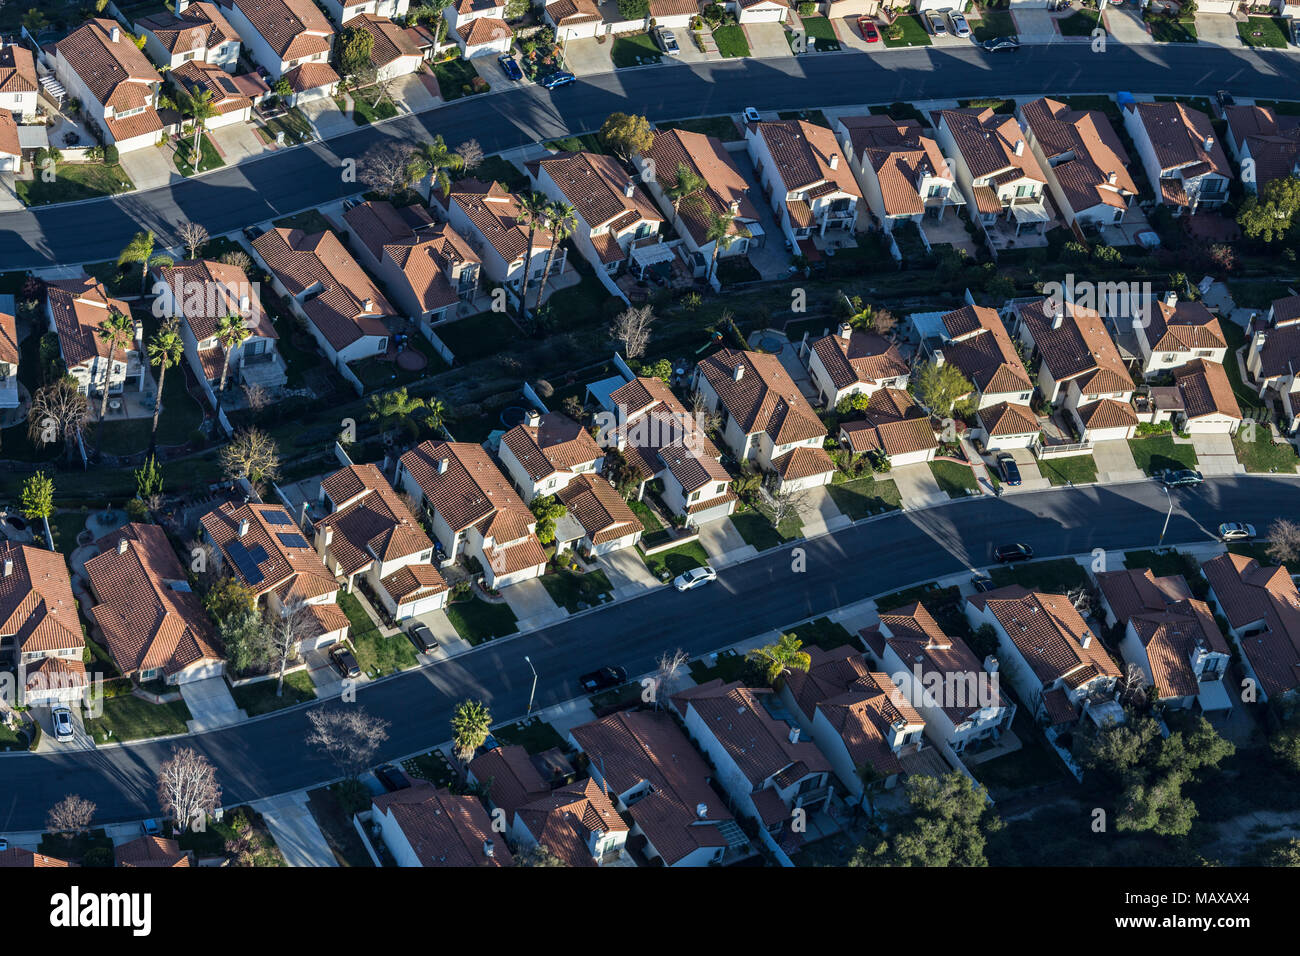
{"x": 993, "y": 24}
{"x": 1074, "y": 470}
{"x": 376, "y": 654}
{"x": 1172, "y": 31}
{"x": 1235, "y": 336}
{"x": 132, "y": 718}
{"x": 478, "y": 621}
{"x": 363, "y": 112}
{"x": 12, "y": 739}
{"x": 259, "y": 698}
{"x": 533, "y": 734}
{"x": 866, "y": 496}
{"x": 957, "y": 480}
{"x": 650, "y": 522}
{"x": 569, "y": 589}
{"x": 1263, "y": 32}
{"x": 579, "y": 305}
{"x": 432, "y": 767}
{"x": 1081, "y": 23}
{"x": 209, "y": 158}
{"x": 1159, "y": 453}
{"x": 74, "y": 181}
{"x": 496, "y": 169}
{"x": 756, "y": 529}
{"x": 1263, "y": 454}
{"x": 730, "y": 667}
{"x": 573, "y": 144}
{"x": 666, "y": 565}
{"x": 732, "y": 42}
{"x": 816, "y": 117}
{"x": 821, "y": 30}
{"x": 309, "y": 221}
{"x": 65, "y": 526}
{"x": 719, "y": 127}
{"x": 1162, "y": 563}
{"x": 292, "y": 124}
{"x": 478, "y": 336}
{"x": 824, "y": 633}
{"x": 906, "y": 31}
{"x": 455, "y": 78}
{"x": 634, "y": 51}
{"x": 1054, "y": 577}
{"x": 378, "y": 372}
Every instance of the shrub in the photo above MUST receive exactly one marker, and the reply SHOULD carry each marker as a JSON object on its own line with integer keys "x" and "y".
{"x": 110, "y": 154}
{"x": 807, "y": 8}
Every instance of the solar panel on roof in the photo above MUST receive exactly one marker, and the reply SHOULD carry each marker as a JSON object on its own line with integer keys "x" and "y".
{"x": 244, "y": 562}
{"x": 227, "y": 84}
{"x": 276, "y": 517}
{"x": 292, "y": 540}
{"x": 258, "y": 554}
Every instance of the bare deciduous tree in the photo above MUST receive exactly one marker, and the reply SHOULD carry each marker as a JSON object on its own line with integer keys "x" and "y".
{"x": 240, "y": 260}
{"x": 72, "y": 814}
{"x": 257, "y": 397}
{"x": 59, "y": 412}
{"x": 349, "y": 736}
{"x": 192, "y": 236}
{"x": 631, "y": 329}
{"x": 707, "y": 419}
{"x": 666, "y": 671}
{"x": 187, "y": 787}
{"x": 470, "y": 152}
{"x": 388, "y": 169}
{"x": 251, "y": 453}
{"x": 285, "y": 628}
{"x": 782, "y": 505}
{"x": 1283, "y": 541}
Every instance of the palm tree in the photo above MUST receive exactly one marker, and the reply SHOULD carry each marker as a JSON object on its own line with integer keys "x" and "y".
{"x": 561, "y": 220}
{"x": 438, "y": 162}
{"x": 470, "y": 724}
{"x": 140, "y": 249}
{"x": 165, "y": 350}
{"x": 782, "y": 657}
{"x": 398, "y": 405}
{"x": 230, "y": 332}
{"x": 436, "y": 413}
{"x": 116, "y": 330}
{"x": 199, "y": 106}
{"x": 718, "y": 232}
{"x": 688, "y": 184}
{"x": 532, "y": 213}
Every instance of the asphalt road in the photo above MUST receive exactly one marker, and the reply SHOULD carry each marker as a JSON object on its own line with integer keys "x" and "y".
{"x": 268, "y": 756}
{"x": 308, "y": 176}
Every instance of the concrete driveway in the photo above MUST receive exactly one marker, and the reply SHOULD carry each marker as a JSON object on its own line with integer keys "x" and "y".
{"x": 724, "y": 543}
{"x": 767, "y": 40}
{"x": 324, "y": 676}
{"x": 532, "y": 604}
{"x": 1126, "y": 26}
{"x": 771, "y": 259}
{"x": 150, "y": 166}
{"x": 917, "y": 486}
{"x": 236, "y": 142}
{"x": 51, "y": 744}
{"x": 295, "y": 830}
{"x": 821, "y": 514}
{"x": 1216, "y": 455}
{"x": 1031, "y": 476}
{"x": 586, "y": 56}
{"x": 326, "y": 118}
{"x": 1217, "y": 28}
{"x": 1115, "y": 462}
{"x": 1033, "y": 25}
{"x": 627, "y": 572}
{"x": 210, "y": 704}
{"x": 412, "y": 95}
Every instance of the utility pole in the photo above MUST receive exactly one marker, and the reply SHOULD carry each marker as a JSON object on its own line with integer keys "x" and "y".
{"x": 533, "y": 692}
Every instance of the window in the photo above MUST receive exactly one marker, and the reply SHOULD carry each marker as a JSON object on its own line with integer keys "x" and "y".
{"x": 722, "y": 489}
{"x": 695, "y": 496}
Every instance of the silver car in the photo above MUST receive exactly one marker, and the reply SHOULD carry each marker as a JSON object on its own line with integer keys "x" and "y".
{"x": 694, "y": 578}
{"x": 935, "y": 22}
{"x": 1236, "y": 531}
{"x": 668, "y": 42}
{"x": 64, "y": 729}
{"x": 960, "y": 27}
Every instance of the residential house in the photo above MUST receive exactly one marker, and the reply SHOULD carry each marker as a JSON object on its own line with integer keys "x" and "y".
{"x": 1080, "y": 367}
{"x": 1273, "y": 359}
{"x": 18, "y": 82}
{"x": 1170, "y": 635}
{"x": 661, "y": 783}
{"x": 759, "y": 11}
{"x": 265, "y": 551}
{"x": 346, "y": 313}
{"x": 231, "y": 97}
{"x": 425, "y": 826}
{"x": 997, "y": 171}
{"x": 343, "y": 11}
{"x": 1200, "y": 401}
{"x": 510, "y": 778}
{"x": 193, "y": 33}
{"x": 761, "y": 762}
{"x": 545, "y": 452}
{"x": 11, "y": 147}
{"x": 9, "y": 353}
{"x": 856, "y": 716}
{"x": 617, "y": 224}
{"x": 153, "y": 624}
{"x": 1083, "y": 159}
{"x": 393, "y": 53}
{"x": 116, "y": 84}
{"x": 852, "y": 362}
{"x": 40, "y": 633}
{"x": 765, "y": 417}
{"x": 726, "y": 192}
{"x": 201, "y": 292}
{"x": 607, "y": 523}
{"x": 955, "y": 692}
{"x": 1006, "y": 425}
{"x": 369, "y": 535}
{"x": 807, "y": 180}
{"x": 1263, "y": 142}
{"x": 1056, "y": 664}
{"x": 1262, "y": 608}
{"x": 576, "y": 822}
{"x": 903, "y": 176}
{"x": 15, "y": 857}
{"x": 491, "y": 220}
{"x": 975, "y": 340}
{"x": 1182, "y": 157}
{"x": 479, "y": 27}
{"x": 474, "y": 511}
{"x": 573, "y": 19}
{"x": 893, "y": 427}
{"x": 1175, "y": 333}
{"x": 427, "y": 267}
{"x": 290, "y": 40}
{"x": 674, "y": 14}
{"x": 152, "y": 852}
{"x": 76, "y": 310}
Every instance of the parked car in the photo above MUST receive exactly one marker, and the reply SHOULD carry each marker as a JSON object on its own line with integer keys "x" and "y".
{"x": 392, "y": 778}
{"x": 667, "y": 42}
{"x": 1001, "y": 45}
{"x": 960, "y": 28}
{"x": 510, "y": 66}
{"x": 1235, "y": 531}
{"x": 344, "y": 661}
{"x": 1176, "y": 479}
{"x": 934, "y": 21}
{"x": 64, "y": 728}
{"x": 982, "y": 582}
{"x": 751, "y": 115}
{"x": 694, "y": 578}
{"x": 560, "y": 78}
{"x": 1006, "y": 553}
{"x": 867, "y": 27}
{"x": 603, "y": 679}
{"x": 1009, "y": 469}
{"x": 423, "y": 639}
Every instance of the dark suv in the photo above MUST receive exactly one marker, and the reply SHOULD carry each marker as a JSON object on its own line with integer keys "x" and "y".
{"x": 1007, "y": 553}
{"x": 344, "y": 661}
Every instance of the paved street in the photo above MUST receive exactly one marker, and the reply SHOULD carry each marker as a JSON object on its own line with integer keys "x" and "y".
{"x": 268, "y": 756}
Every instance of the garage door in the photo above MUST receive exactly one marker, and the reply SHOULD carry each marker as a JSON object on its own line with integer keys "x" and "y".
{"x": 764, "y": 15}
{"x": 422, "y": 606}
{"x": 923, "y": 5}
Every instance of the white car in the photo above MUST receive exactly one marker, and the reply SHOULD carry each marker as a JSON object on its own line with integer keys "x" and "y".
{"x": 694, "y": 578}
{"x": 668, "y": 42}
{"x": 64, "y": 729}
{"x": 1235, "y": 531}
{"x": 751, "y": 115}
{"x": 960, "y": 27}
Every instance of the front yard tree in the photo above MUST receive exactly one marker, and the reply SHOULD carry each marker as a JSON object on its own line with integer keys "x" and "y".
{"x": 59, "y": 412}
{"x": 945, "y": 826}
{"x": 200, "y": 108}
{"x": 1283, "y": 541}
{"x": 390, "y": 169}
{"x": 1271, "y": 214}
{"x": 470, "y": 153}
{"x": 784, "y": 505}
{"x": 666, "y": 671}
{"x": 538, "y": 855}
{"x": 627, "y": 134}
{"x": 435, "y": 160}
{"x": 355, "y": 47}
{"x": 349, "y": 736}
{"x": 187, "y": 787}
{"x": 71, "y": 815}
{"x": 779, "y": 658}
{"x": 140, "y": 249}
{"x": 37, "y": 499}
{"x": 470, "y": 723}
{"x": 251, "y": 454}
{"x": 286, "y": 628}
{"x": 192, "y": 236}
{"x": 231, "y": 331}
{"x": 244, "y": 635}
{"x": 165, "y": 350}
{"x": 117, "y": 330}
{"x": 942, "y": 388}
{"x": 547, "y": 509}
{"x": 631, "y": 329}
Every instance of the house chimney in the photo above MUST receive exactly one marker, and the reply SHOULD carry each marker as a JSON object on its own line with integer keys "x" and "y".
{"x": 701, "y": 810}
{"x": 1208, "y": 144}
{"x": 1020, "y": 147}
{"x": 182, "y": 6}
{"x": 846, "y": 331}
{"x": 738, "y": 372}
{"x": 794, "y": 735}
{"x": 442, "y": 466}
{"x": 1086, "y": 640}
{"x": 121, "y": 546}
{"x": 243, "y": 527}
{"x": 1056, "y": 309}
{"x": 533, "y": 418}
{"x": 245, "y": 302}
{"x": 734, "y": 206}
{"x": 115, "y": 34}
{"x": 9, "y": 566}
{"x": 489, "y": 849}
{"x": 834, "y": 161}
{"x": 630, "y": 188}
{"x": 1171, "y": 298}
{"x": 367, "y": 304}
{"x": 991, "y": 664}
{"x": 1112, "y": 177}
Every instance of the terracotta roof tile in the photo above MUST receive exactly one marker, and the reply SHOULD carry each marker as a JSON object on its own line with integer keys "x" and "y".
{"x": 444, "y": 829}
{"x": 597, "y": 187}
{"x": 555, "y": 444}
{"x": 862, "y": 358}
{"x": 292, "y": 28}
{"x": 764, "y": 398}
{"x": 37, "y": 608}
{"x": 80, "y": 307}
{"x": 374, "y": 525}
{"x": 601, "y": 510}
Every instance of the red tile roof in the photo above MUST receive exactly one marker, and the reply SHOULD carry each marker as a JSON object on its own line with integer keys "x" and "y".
{"x": 292, "y": 28}
{"x": 1087, "y": 152}
{"x": 566, "y": 819}
{"x": 80, "y": 307}
{"x": 151, "y": 851}
{"x": 601, "y": 510}
{"x": 764, "y": 399}
{"x": 511, "y": 778}
{"x": 727, "y": 190}
{"x": 444, "y": 829}
{"x": 374, "y": 525}
{"x": 900, "y": 155}
{"x": 981, "y": 348}
{"x": 1264, "y": 601}
{"x": 207, "y": 291}
{"x": 37, "y": 608}
{"x": 803, "y": 153}
{"x": 200, "y": 26}
{"x": 280, "y": 558}
{"x": 1079, "y": 347}
{"x": 117, "y": 74}
{"x": 597, "y": 187}
{"x": 555, "y": 444}
{"x": 861, "y": 358}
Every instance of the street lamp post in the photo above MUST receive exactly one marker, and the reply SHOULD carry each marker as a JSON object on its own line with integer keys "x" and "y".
{"x": 532, "y": 692}
{"x": 1168, "y": 515}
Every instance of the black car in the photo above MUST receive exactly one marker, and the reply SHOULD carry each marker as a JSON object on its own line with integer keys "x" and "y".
{"x": 392, "y": 778}
{"x": 344, "y": 662}
{"x": 1007, "y": 553}
{"x": 423, "y": 639}
{"x": 1176, "y": 479}
{"x": 1001, "y": 44}
{"x": 603, "y": 679}
{"x": 1010, "y": 471}
{"x": 982, "y": 583}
